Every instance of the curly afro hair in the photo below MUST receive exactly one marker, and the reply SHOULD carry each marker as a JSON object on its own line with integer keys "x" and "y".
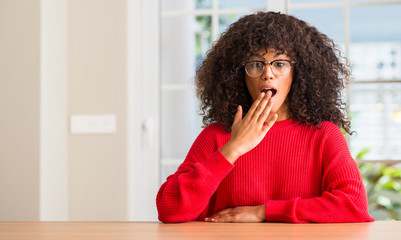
{"x": 318, "y": 78}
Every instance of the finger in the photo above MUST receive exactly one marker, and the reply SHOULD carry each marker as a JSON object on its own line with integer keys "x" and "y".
{"x": 223, "y": 218}
{"x": 220, "y": 216}
{"x": 261, "y": 109}
{"x": 216, "y": 218}
{"x": 213, "y": 217}
{"x": 225, "y": 211}
{"x": 270, "y": 117}
{"x": 266, "y": 111}
{"x": 210, "y": 219}
{"x": 238, "y": 115}
{"x": 270, "y": 123}
{"x": 254, "y": 105}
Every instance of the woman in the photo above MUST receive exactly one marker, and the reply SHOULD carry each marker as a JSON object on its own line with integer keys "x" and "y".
{"x": 272, "y": 149}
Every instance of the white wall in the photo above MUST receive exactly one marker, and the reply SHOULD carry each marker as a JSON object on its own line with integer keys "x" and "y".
{"x": 19, "y": 109}
{"x": 60, "y": 58}
{"x": 97, "y": 85}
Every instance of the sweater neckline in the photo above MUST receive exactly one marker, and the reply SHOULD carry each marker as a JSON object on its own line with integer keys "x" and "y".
{"x": 284, "y": 124}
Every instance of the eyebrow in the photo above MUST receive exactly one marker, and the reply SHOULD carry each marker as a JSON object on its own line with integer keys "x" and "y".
{"x": 280, "y": 53}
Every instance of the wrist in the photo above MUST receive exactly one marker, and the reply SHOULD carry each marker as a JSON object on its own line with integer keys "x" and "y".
{"x": 261, "y": 212}
{"x": 230, "y": 152}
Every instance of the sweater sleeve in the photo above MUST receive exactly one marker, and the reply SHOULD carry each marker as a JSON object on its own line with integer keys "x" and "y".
{"x": 187, "y": 192}
{"x": 343, "y": 196}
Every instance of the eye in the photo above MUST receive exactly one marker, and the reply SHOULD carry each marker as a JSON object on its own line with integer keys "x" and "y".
{"x": 280, "y": 64}
{"x": 255, "y": 64}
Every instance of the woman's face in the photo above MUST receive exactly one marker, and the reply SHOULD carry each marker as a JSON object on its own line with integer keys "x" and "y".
{"x": 280, "y": 85}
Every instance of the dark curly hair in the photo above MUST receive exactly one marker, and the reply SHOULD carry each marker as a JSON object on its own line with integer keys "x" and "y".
{"x": 318, "y": 78}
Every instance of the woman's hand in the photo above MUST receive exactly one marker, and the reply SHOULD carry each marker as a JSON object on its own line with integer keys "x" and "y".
{"x": 247, "y": 133}
{"x": 239, "y": 214}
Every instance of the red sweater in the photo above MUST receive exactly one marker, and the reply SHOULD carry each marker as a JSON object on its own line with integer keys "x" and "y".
{"x": 302, "y": 173}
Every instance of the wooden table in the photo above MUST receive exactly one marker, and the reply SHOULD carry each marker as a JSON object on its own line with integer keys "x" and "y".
{"x": 196, "y": 230}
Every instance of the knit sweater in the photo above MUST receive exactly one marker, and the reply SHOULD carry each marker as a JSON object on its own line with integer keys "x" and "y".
{"x": 302, "y": 173}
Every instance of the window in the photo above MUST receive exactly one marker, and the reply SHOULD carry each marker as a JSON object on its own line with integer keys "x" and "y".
{"x": 366, "y": 31}
{"x": 375, "y": 45}
{"x": 368, "y": 34}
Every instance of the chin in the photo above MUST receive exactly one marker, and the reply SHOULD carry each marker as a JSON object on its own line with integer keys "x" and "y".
{"x": 276, "y": 106}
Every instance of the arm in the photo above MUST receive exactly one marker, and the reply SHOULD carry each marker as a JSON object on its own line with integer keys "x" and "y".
{"x": 186, "y": 193}
{"x": 343, "y": 196}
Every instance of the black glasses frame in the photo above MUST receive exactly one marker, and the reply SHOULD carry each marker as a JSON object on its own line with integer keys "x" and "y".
{"x": 291, "y": 62}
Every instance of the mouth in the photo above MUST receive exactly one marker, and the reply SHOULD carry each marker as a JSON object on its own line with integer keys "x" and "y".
{"x": 265, "y": 90}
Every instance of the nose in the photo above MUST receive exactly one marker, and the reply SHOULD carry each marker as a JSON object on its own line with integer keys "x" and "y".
{"x": 268, "y": 73}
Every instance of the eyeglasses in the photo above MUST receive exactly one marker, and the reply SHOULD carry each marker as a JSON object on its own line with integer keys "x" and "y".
{"x": 278, "y": 67}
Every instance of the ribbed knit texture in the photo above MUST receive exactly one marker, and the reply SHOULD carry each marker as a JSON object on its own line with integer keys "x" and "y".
{"x": 302, "y": 173}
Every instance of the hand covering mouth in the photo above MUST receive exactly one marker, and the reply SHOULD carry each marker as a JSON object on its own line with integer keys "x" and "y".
{"x": 274, "y": 91}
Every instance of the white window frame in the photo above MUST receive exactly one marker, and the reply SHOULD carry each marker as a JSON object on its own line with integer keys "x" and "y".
{"x": 143, "y": 71}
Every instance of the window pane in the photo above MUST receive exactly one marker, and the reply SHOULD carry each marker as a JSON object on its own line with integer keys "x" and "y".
{"x": 373, "y": 0}
{"x": 226, "y": 20}
{"x": 376, "y": 61}
{"x": 168, "y": 168}
{"x": 203, "y": 38}
{"x": 375, "y": 51}
{"x": 375, "y": 23}
{"x": 185, "y": 4}
{"x": 180, "y": 122}
{"x": 329, "y": 21}
{"x": 181, "y": 51}
{"x": 202, "y": 4}
{"x": 376, "y": 117}
{"x": 242, "y": 4}
{"x": 315, "y": 1}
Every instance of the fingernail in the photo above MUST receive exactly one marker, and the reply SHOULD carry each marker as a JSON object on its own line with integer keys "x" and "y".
{"x": 206, "y": 219}
{"x": 213, "y": 219}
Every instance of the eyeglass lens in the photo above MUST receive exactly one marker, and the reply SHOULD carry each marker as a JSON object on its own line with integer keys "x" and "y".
{"x": 256, "y": 68}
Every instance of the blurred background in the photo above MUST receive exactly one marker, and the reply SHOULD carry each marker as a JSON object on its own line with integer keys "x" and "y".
{"x": 98, "y": 103}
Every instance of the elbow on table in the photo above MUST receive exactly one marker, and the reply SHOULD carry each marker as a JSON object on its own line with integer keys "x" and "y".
{"x": 355, "y": 215}
{"x": 363, "y": 216}
{"x": 360, "y": 212}
{"x": 168, "y": 220}
{"x": 176, "y": 214}
{"x": 174, "y": 218}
